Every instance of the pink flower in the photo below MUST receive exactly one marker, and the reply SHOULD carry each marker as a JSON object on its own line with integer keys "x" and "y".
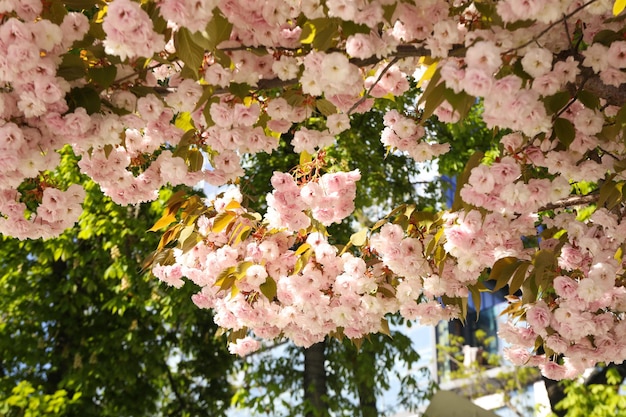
{"x": 244, "y": 346}
{"x": 483, "y": 55}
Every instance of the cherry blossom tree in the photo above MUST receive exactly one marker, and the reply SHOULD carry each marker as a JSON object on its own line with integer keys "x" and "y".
{"x": 156, "y": 93}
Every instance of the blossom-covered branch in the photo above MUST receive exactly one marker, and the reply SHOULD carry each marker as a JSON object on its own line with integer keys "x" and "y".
{"x": 154, "y": 94}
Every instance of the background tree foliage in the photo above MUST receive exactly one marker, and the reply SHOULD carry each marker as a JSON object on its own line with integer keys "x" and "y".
{"x": 84, "y": 332}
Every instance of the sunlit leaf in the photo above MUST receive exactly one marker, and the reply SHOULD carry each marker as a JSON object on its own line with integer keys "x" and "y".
{"x": 359, "y": 238}
{"x": 188, "y": 51}
{"x": 428, "y": 74}
{"x": 164, "y": 221}
{"x": 222, "y": 220}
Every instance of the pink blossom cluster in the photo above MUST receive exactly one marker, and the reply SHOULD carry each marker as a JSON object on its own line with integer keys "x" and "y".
{"x": 420, "y": 283}
{"x": 582, "y": 319}
{"x": 130, "y": 31}
{"x": 327, "y": 293}
{"x": 234, "y": 131}
{"x": 328, "y": 200}
{"x": 58, "y": 211}
{"x": 330, "y": 74}
{"x": 477, "y": 241}
{"x": 404, "y": 134}
{"x": 31, "y": 94}
{"x": 191, "y": 14}
{"x": 500, "y": 187}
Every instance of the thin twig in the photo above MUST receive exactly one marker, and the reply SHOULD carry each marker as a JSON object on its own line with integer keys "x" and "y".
{"x": 380, "y": 76}
{"x": 547, "y": 29}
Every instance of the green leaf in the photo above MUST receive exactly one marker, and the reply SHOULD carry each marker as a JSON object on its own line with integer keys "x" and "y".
{"x": 325, "y": 107}
{"x": 349, "y": 28}
{"x": 327, "y": 31}
{"x": 226, "y": 278}
{"x": 307, "y": 35}
{"x": 461, "y": 102}
{"x": 519, "y": 277}
{"x": 502, "y": 271}
{"x": 104, "y": 76}
{"x": 268, "y": 288}
{"x": 433, "y": 96}
{"x": 611, "y": 194}
{"x": 188, "y": 51}
{"x": 384, "y": 327}
{"x": 588, "y": 99}
{"x": 556, "y": 102}
{"x": 72, "y": 67}
{"x": 55, "y": 12}
{"x": 195, "y": 160}
{"x": 565, "y": 131}
{"x": 81, "y": 4}
{"x": 85, "y": 97}
{"x": 473, "y": 162}
{"x": 241, "y": 90}
{"x": 606, "y": 37}
{"x": 217, "y": 31}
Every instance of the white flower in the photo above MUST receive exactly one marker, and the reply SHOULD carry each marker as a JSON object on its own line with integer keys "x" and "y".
{"x": 537, "y": 61}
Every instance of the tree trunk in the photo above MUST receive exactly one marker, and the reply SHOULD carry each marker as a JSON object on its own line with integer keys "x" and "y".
{"x": 365, "y": 375}
{"x": 367, "y": 398}
{"x": 315, "y": 381}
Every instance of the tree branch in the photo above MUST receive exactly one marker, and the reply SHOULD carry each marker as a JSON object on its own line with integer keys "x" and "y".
{"x": 571, "y": 201}
{"x": 550, "y": 26}
{"x": 181, "y": 400}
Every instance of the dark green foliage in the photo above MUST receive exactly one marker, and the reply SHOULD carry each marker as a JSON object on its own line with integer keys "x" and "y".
{"x": 80, "y": 321}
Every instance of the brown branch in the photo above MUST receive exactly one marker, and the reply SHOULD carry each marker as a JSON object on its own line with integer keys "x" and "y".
{"x": 367, "y": 93}
{"x": 571, "y": 201}
{"x": 615, "y": 96}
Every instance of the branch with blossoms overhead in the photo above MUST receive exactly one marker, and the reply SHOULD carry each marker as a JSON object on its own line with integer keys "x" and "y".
{"x": 153, "y": 94}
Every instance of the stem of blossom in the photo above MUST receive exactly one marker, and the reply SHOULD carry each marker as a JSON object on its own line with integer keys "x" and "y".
{"x": 579, "y": 88}
{"x": 569, "y": 37}
{"x": 550, "y": 26}
{"x": 380, "y": 76}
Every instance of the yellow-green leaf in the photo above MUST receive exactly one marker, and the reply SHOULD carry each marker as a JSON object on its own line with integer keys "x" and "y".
{"x": 325, "y": 107}
{"x": 359, "y": 238}
{"x": 519, "y": 277}
{"x": 164, "y": 221}
{"x": 303, "y": 248}
{"x": 217, "y": 31}
{"x": 222, "y": 220}
{"x": 428, "y": 74}
{"x": 195, "y": 160}
{"x": 185, "y": 233}
{"x": 618, "y": 7}
{"x": 308, "y": 33}
{"x": 384, "y": 327}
